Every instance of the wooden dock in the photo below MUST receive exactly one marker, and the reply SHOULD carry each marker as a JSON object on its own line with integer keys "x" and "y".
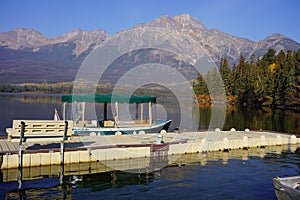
{"x": 89, "y": 149}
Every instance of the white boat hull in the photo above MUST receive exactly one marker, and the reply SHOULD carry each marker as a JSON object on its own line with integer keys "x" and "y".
{"x": 287, "y": 188}
{"x": 155, "y": 128}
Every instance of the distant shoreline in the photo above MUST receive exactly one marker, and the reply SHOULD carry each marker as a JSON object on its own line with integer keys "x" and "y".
{"x": 28, "y": 94}
{"x": 200, "y": 102}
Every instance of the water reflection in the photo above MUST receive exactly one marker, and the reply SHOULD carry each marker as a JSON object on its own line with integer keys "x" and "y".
{"x": 232, "y": 171}
{"x": 42, "y": 107}
{"x": 264, "y": 118}
{"x": 237, "y": 174}
{"x": 148, "y": 165}
{"x": 26, "y": 107}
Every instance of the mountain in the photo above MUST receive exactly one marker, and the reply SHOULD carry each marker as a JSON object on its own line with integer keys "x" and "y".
{"x": 219, "y": 44}
{"x": 22, "y": 38}
{"x": 28, "y": 56}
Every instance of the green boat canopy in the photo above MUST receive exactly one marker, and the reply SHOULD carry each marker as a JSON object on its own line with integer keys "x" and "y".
{"x": 107, "y": 98}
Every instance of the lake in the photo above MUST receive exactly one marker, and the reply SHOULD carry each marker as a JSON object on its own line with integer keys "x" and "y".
{"x": 29, "y": 106}
{"x": 237, "y": 174}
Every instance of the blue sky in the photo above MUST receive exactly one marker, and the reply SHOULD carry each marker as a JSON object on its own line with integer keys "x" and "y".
{"x": 252, "y": 19}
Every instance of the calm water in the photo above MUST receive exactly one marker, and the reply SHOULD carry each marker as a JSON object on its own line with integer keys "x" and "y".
{"x": 42, "y": 107}
{"x": 234, "y": 175}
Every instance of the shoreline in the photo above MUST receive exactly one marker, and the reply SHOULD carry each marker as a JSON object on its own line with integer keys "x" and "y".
{"x": 200, "y": 101}
{"x": 29, "y": 94}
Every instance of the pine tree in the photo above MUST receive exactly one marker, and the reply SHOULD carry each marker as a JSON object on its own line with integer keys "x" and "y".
{"x": 239, "y": 81}
{"x": 271, "y": 80}
{"x": 226, "y": 75}
{"x": 200, "y": 86}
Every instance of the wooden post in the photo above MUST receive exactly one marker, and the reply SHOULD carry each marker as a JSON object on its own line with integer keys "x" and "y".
{"x": 65, "y": 131}
{"x": 20, "y": 168}
{"x": 22, "y": 138}
{"x": 20, "y": 156}
{"x": 61, "y": 172}
{"x": 62, "y": 153}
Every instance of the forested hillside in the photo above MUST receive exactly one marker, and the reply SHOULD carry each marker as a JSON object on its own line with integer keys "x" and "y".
{"x": 272, "y": 80}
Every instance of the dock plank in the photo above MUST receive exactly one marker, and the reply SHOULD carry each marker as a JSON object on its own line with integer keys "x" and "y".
{"x": 1, "y": 149}
{"x": 12, "y": 147}
{"x": 9, "y": 147}
{"x": 4, "y": 146}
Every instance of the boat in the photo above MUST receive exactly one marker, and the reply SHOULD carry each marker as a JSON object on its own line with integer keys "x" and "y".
{"x": 287, "y": 188}
{"x": 90, "y": 114}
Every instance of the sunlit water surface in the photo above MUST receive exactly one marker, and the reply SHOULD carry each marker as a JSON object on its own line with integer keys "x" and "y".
{"x": 241, "y": 177}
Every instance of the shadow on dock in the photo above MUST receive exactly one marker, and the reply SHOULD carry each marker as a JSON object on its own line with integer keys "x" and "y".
{"x": 56, "y": 145}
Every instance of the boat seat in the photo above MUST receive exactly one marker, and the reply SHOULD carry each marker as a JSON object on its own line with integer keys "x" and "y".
{"x": 107, "y": 123}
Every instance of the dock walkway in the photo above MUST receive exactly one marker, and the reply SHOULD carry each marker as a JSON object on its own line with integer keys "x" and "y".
{"x": 120, "y": 147}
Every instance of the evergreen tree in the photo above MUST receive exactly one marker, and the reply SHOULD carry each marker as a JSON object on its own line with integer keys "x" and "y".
{"x": 226, "y": 75}
{"x": 200, "y": 86}
{"x": 239, "y": 81}
{"x": 270, "y": 80}
{"x": 269, "y": 57}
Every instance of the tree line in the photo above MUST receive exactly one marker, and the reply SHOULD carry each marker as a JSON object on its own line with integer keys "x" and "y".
{"x": 271, "y": 80}
{"x": 67, "y": 88}
{"x": 44, "y": 88}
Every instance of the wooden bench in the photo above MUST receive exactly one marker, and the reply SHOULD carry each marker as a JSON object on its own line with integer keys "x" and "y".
{"x": 46, "y": 130}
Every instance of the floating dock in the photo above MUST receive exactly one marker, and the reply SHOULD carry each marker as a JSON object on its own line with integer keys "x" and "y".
{"x": 142, "y": 165}
{"x": 92, "y": 149}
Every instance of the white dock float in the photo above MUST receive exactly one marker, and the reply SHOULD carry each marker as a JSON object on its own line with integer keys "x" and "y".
{"x": 140, "y": 165}
{"x": 123, "y": 147}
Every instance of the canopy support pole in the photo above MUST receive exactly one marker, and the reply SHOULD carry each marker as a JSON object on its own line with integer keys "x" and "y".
{"x": 83, "y": 110}
{"x": 150, "y": 113}
{"x": 137, "y": 111}
{"x": 142, "y": 111}
{"x": 105, "y": 111}
{"x": 116, "y": 113}
{"x": 64, "y": 111}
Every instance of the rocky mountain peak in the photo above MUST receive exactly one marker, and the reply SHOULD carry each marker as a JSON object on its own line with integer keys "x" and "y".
{"x": 275, "y": 36}
{"x": 277, "y": 42}
{"x": 26, "y": 31}
{"x": 83, "y": 40}
{"x": 188, "y": 21}
{"x": 28, "y": 38}
{"x": 217, "y": 43}
{"x": 71, "y": 36}
{"x": 77, "y": 30}
{"x": 182, "y": 23}
{"x": 21, "y": 38}
{"x": 183, "y": 18}
{"x": 163, "y": 22}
